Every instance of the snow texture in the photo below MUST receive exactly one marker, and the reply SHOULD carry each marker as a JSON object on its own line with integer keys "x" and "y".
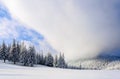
{"x": 9, "y": 71}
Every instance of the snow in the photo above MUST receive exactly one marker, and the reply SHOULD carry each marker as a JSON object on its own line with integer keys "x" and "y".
{"x": 10, "y": 71}
{"x": 111, "y": 63}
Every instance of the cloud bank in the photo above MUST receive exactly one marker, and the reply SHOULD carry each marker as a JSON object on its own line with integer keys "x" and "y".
{"x": 78, "y": 28}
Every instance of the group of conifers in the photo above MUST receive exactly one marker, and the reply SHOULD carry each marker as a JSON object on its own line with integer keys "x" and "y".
{"x": 18, "y": 53}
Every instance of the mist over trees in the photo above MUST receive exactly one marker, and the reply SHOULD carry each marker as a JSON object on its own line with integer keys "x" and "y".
{"x": 18, "y": 53}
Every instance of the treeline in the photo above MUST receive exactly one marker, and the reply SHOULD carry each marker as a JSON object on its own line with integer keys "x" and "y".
{"x": 27, "y": 56}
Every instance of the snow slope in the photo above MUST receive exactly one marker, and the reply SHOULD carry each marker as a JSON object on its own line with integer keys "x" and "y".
{"x": 9, "y": 71}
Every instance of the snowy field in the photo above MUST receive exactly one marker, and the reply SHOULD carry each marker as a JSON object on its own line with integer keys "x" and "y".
{"x": 9, "y": 71}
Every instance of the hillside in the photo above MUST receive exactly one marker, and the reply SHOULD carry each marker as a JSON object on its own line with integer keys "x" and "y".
{"x": 98, "y": 63}
{"x": 9, "y": 71}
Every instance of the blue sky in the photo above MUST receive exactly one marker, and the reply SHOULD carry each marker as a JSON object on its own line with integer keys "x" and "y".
{"x": 11, "y": 29}
{"x": 18, "y": 30}
{"x": 78, "y": 28}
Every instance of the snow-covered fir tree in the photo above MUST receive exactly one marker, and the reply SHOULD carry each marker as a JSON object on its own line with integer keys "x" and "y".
{"x": 14, "y": 55}
{"x": 8, "y": 50}
{"x": 3, "y": 52}
{"x": 31, "y": 56}
{"x": 40, "y": 59}
{"x": 61, "y": 62}
{"x": 17, "y": 52}
{"x": 24, "y": 57}
{"x": 49, "y": 60}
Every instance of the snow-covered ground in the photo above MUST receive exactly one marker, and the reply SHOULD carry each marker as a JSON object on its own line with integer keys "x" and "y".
{"x": 9, "y": 71}
{"x": 101, "y": 63}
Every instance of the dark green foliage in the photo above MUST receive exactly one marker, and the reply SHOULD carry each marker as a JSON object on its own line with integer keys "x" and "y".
{"x": 14, "y": 55}
{"x": 31, "y": 56}
{"x": 49, "y": 60}
{"x": 18, "y": 53}
{"x": 61, "y": 62}
{"x": 3, "y": 52}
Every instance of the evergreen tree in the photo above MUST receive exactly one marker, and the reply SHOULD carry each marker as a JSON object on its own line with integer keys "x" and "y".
{"x": 0, "y": 52}
{"x": 18, "y": 51}
{"x": 14, "y": 53}
{"x": 61, "y": 61}
{"x": 31, "y": 56}
{"x": 49, "y": 60}
{"x": 42, "y": 60}
{"x": 8, "y": 50}
{"x": 24, "y": 56}
{"x": 4, "y": 52}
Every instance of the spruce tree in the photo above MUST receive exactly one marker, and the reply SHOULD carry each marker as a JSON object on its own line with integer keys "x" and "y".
{"x": 31, "y": 56}
{"x": 24, "y": 56}
{"x": 61, "y": 61}
{"x": 14, "y": 53}
{"x": 49, "y": 60}
{"x": 8, "y": 50}
{"x": 4, "y": 52}
{"x": 18, "y": 51}
{"x": 42, "y": 60}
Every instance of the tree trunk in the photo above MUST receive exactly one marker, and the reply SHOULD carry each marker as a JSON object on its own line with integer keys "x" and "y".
{"x": 4, "y": 60}
{"x": 14, "y": 62}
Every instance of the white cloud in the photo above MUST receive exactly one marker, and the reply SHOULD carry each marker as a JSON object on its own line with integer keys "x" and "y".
{"x": 76, "y": 27}
{"x": 7, "y": 29}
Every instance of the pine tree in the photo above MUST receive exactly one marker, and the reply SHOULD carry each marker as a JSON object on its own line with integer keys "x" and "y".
{"x": 24, "y": 56}
{"x": 49, "y": 60}
{"x": 14, "y": 53}
{"x": 18, "y": 51}
{"x": 4, "y": 52}
{"x": 8, "y": 50}
{"x": 0, "y": 52}
{"x": 42, "y": 60}
{"x": 61, "y": 61}
{"x": 31, "y": 56}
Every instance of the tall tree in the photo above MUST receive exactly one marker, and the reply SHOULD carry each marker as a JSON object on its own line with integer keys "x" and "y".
{"x": 18, "y": 47}
{"x": 42, "y": 58}
{"x": 49, "y": 60}
{"x": 8, "y": 50}
{"x": 4, "y": 52}
{"x": 24, "y": 56}
{"x": 14, "y": 53}
{"x": 61, "y": 61}
{"x": 31, "y": 55}
{"x": 0, "y": 51}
